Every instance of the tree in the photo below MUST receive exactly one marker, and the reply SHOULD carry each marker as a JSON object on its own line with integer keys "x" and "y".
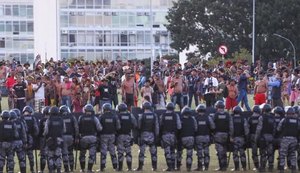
{"x": 210, "y": 23}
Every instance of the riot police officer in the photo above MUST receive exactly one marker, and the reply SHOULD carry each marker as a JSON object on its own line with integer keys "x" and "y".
{"x": 238, "y": 136}
{"x": 69, "y": 137}
{"x": 264, "y": 136}
{"x": 19, "y": 141}
{"x": 124, "y": 138}
{"x": 33, "y": 131}
{"x": 53, "y": 131}
{"x": 187, "y": 133}
{"x": 253, "y": 121}
{"x": 43, "y": 147}
{"x": 8, "y": 133}
{"x": 205, "y": 128}
{"x": 278, "y": 113}
{"x": 297, "y": 114}
{"x": 110, "y": 123}
{"x": 149, "y": 128}
{"x": 169, "y": 125}
{"x": 89, "y": 126}
{"x": 289, "y": 129}
{"x": 221, "y": 136}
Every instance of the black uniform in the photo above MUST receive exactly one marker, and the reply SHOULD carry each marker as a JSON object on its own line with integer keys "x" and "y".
{"x": 54, "y": 129}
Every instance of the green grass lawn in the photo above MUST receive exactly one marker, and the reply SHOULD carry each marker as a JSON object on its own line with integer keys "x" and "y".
{"x": 147, "y": 165}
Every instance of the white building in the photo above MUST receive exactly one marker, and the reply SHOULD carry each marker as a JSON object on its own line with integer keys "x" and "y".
{"x": 16, "y": 30}
{"x": 101, "y": 29}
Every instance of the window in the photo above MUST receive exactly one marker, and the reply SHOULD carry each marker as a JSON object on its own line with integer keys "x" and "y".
{"x": 23, "y": 26}
{"x": 8, "y": 10}
{"x": 124, "y": 38}
{"x": 132, "y": 38}
{"x": 1, "y": 10}
{"x": 99, "y": 38}
{"x": 80, "y": 3}
{"x": 98, "y": 19}
{"x": 89, "y": 3}
{"x": 81, "y": 38}
{"x": 72, "y": 38}
{"x": 140, "y": 38}
{"x": 115, "y": 39}
{"x": 22, "y": 10}
{"x": 2, "y": 28}
{"x": 2, "y": 42}
{"x": 148, "y": 38}
{"x": 29, "y": 11}
{"x": 64, "y": 19}
{"x": 16, "y": 27}
{"x": 64, "y": 39}
{"x": 107, "y": 38}
{"x": 8, "y": 26}
{"x": 90, "y": 38}
{"x": 106, "y": 3}
{"x": 98, "y": 3}
{"x": 15, "y": 10}
{"x": 29, "y": 26}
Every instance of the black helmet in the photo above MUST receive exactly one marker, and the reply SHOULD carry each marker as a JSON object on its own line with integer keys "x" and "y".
{"x": 237, "y": 110}
{"x": 256, "y": 109}
{"x": 122, "y": 107}
{"x": 186, "y": 110}
{"x": 290, "y": 110}
{"x": 54, "y": 110}
{"x": 46, "y": 110}
{"x": 220, "y": 104}
{"x": 13, "y": 115}
{"x": 201, "y": 108}
{"x": 88, "y": 108}
{"x": 297, "y": 109}
{"x": 106, "y": 107}
{"x": 278, "y": 110}
{"x": 170, "y": 106}
{"x": 64, "y": 110}
{"x": 28, "y": 109}
{"x": 18, "y": 112}
{"x": 147, "y": 105}
{"x": 266, "y": 108}
{"x": 5, "y": 114}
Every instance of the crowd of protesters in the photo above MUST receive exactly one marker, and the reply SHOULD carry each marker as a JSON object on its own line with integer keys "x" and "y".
{"x": 80, "y": 82}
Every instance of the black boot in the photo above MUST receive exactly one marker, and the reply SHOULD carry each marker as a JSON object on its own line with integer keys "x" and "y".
{"x": 66, "y": 167}
{"x": 102, "y": 167}
{"x": 58, "y": 170}
{"x": 42, "y": 165}
{"x": 23, "y": 169}
{"x": 169, "y": 164}
{"x": 188, "y": 167}
{"x": 90, "y": 167}
{"x": 71, "y": 167}
{"x": 129, "y": 166}
{"x": 178, "y": 166}
{"x": 115, "y": 166}
{"x": 140, "y": 167}
{"x": 256, "y": 165}
{"x": 154, "y": 165}
{"x": 236, "y": 166}
{"x": 199, "y": 167}
{"x": 82, "y": 166}
{"x": 120, "y": 168}
{"x": 270, "y": 169}
{"x": 244, "y": 166}
{"x": 206, "y": 165}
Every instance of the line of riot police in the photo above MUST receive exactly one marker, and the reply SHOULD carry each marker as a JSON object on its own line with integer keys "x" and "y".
{"x": 58, "y": 132}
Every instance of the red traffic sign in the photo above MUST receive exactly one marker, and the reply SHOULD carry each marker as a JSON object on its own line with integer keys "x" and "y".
{"x": 223, "y": 50}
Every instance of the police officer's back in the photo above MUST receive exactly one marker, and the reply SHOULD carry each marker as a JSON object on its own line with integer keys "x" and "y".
{"x": 289, "y": 129}
{"x": 8, "y": 133}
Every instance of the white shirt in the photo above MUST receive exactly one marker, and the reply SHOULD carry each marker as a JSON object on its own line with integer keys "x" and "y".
{"x": 40, "y": 93}
{"x": 211, "y": 80}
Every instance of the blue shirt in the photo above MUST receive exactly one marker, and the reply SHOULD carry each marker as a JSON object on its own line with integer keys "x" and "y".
{"x": 243, "y": 82}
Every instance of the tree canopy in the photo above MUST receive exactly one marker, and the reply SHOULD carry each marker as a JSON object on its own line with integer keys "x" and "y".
{"x": 210, "y": 23}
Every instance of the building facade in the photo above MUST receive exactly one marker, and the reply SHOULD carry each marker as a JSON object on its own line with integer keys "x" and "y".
{"x": 113, "y": 29}
{"x": 16, "y": 30}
